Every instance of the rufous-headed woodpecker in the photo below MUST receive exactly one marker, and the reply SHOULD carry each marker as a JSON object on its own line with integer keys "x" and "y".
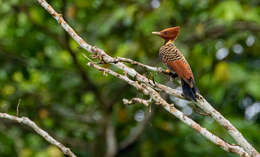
{"x": 176, "y": 62}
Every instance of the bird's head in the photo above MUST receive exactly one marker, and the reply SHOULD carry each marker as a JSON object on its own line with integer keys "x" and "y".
{"x": 168, "y": 33}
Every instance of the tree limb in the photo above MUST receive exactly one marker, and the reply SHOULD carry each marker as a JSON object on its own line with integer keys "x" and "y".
{"x": 205, "y": 106}
{"x": 26, "y": 121}
{"x": 148, "y": 84}
{"x": 145, "y": 89}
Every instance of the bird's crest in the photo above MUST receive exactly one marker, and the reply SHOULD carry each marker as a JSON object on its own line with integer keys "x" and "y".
{"x": 169, "y": 33}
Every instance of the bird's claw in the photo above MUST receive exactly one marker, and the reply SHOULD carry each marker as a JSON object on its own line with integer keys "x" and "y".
{"x": 199, "y": 97}
{"x": 168, "y": 71}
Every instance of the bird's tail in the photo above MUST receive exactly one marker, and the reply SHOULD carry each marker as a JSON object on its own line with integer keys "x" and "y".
{"x": 189, "y": 92}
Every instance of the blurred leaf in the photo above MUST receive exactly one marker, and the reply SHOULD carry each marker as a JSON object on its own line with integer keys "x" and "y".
{"x": 218, "y": 94}
{"x": 8, "y": 90}
{"x": 26, "y": 152}
{"x": 34, "y": 141}
{"x": 221, "y": 72}
{"x": 65, "y": 57}
{"x": 252, "y": 14}
{"x": 88, "y": 98}
{"x": 36, "y": 15}
{"x": 253, "y": 86}
{"x": 53, "y": 151}
{"x": 18, "y": 76}
{"x": 43, "y": 113}
{"x": 237, "y": 73}
{"x": 224, "y": 10}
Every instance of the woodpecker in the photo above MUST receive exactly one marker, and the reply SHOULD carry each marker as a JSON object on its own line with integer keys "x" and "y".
{"x": 176, "y": 62}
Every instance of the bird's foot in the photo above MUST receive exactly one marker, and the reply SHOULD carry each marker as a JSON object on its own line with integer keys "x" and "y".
{"x": 170, "y": 73}
{"x": 199, "y": 97}
{"x": 173, "y": 75}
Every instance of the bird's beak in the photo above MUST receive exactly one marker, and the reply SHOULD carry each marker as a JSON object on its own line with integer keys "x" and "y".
{"x": 156, "y": 33}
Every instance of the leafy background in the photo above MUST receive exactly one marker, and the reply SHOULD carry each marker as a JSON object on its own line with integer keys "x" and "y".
{"x": 43, "y": 67}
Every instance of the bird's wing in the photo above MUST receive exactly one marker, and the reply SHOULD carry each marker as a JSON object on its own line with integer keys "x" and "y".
{"x": 183, "y": 70}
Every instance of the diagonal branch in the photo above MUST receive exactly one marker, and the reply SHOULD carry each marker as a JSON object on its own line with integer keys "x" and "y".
{"x": 202, "y": 103}
{"x": 149, "y": 83}
{"x": 145, "y": 89}
{"x": 147, "y": 67}
{"x": 64, "y": 43}
{"x": 26, "y": 121}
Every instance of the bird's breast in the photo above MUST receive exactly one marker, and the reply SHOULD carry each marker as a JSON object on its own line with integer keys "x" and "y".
{"x": 175, "y": 60}
{"x": 169, "y": 52}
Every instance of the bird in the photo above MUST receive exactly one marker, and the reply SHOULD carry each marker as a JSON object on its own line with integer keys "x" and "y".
{"x": 171, "y": 56}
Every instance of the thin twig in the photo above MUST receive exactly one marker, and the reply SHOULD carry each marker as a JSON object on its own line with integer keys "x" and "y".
{"x": 133, "y": 62}
{"x": 17, "y": 108}
{"x": 137, "y": 100}
{"x": 147, "y": 67}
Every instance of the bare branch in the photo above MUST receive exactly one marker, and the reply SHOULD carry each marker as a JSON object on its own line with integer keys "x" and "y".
{"x": 147, "y": 67}
{"x": 137, "y": 100}
{"x": 178, "y": 114}
{"x": 26, "y": 121}
{"x": 204, "y": 105}
{"x": 146, "y": 85}
{"x": 127, "y": 60}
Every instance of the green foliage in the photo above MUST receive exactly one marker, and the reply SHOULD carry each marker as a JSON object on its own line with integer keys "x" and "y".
{"x": 45, "y": 69}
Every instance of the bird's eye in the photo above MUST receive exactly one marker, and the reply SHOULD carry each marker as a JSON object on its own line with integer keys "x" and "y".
{"x": 165, "y": 33}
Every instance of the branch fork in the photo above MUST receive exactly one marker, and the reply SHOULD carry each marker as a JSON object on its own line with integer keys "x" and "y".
{"x": 147, "y": 87}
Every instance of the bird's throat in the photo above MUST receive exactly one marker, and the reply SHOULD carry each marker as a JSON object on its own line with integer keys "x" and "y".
{"x": 168, "y": 42}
